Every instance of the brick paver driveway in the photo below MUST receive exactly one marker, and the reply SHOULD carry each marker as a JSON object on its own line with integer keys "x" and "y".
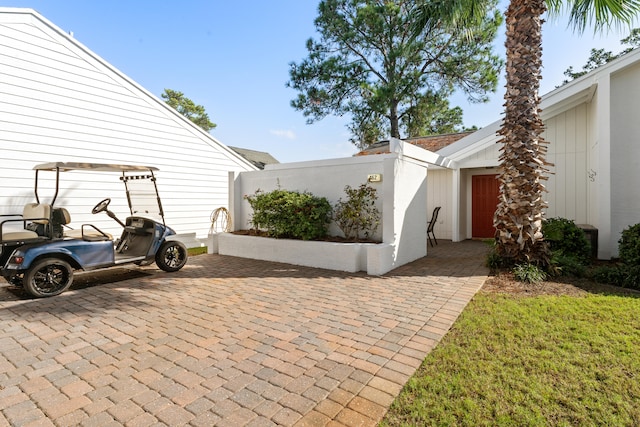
{"x": 229, "y": 341}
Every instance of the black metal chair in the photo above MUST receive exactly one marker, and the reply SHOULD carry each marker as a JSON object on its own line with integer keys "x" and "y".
{"x": 431, "y": 225}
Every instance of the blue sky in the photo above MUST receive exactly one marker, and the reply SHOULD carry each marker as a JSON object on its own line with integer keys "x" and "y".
{"x": 233, "y": 58}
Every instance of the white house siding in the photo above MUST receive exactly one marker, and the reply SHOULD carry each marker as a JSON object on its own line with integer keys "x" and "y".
{"x": 485, "y": 157}
{"x": 593, "y": 126}
{"x": 440, "y": 193}
{"x": 625, "y": 150}
{"x": 568, "y": 135}
{"x": 567, "y": 186}
{"x": 61, "y": 102}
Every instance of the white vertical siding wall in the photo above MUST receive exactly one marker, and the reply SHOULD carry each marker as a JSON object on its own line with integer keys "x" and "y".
{"x": 593, "y": 164}
{"x": 488, "y": 156}
{"x": 625, "y": 151}
{"x": 567, "y": 134}
{"x": 60, "y": 102}
{"x": 440, "y": 193}
{"x": 568, "y": 185}
{"x": 593, "y": 128}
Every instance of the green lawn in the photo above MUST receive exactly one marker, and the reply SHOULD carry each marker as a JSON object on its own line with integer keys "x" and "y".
{"x": 538, "y": 361}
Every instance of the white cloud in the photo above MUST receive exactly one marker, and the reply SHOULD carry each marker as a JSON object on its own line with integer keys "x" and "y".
{"x": 287, "y": 134}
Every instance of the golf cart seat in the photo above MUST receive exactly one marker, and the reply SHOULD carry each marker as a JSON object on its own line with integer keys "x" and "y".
{"x": 85, "y": 232}
{"x": 37, "y": 216}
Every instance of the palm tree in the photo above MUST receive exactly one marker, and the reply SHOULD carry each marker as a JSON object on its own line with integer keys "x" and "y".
{"x": 518, "y": 217}
{"x": 520, "y": 211}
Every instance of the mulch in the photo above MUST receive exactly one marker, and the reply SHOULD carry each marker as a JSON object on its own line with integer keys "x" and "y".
{"x": 504, "y": 282}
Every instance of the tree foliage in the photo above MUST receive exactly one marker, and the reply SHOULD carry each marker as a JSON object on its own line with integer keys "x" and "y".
{"x": 368, "y": 63}
{"x": 600, "y": 57}
{"x": 186, "y": 107}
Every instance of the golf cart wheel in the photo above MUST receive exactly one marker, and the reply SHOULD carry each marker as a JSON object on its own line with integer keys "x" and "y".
{"x": 171, "y": 256}
{"x": 48, "y": 277}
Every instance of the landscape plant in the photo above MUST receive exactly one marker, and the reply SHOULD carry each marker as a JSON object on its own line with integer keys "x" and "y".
{"x": 627, "y": 271}
{"x": 529, "y": 273}
{"x": 570, "y": 249}
{"x": 357, "y": 216}
{"x": 565, "y": 237}
{"x": 629, "y": 249}
{"x": 570, "y": 253}
{"x": 290, "y": 214}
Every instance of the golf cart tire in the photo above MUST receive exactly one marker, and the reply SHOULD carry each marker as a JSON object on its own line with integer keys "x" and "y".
{"x": 171, "y": 256}
{"x": 48, "y": 277}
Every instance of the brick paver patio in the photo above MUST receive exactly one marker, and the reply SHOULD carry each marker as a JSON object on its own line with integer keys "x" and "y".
{"x": 231, "y": 342}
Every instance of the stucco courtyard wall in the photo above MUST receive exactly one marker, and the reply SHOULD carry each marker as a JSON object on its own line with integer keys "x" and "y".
{"x": 402, "y": 201}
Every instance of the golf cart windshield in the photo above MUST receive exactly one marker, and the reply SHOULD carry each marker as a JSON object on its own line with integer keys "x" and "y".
{"x": 141, "y": 194}
{"x": 139, "y": 181}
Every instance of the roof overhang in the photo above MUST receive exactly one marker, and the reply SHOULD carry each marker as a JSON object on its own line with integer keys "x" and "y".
{"x": 408, "y": 150}
{"x": 98, "y": 167}
{"x": 564, "y": 98}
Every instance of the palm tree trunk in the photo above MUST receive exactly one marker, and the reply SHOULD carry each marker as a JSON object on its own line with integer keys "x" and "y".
{"x": 519, "y": 215}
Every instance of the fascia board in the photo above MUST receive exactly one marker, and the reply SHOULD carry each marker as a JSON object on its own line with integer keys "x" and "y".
{"x": 458, "y": 148}
{"x": 404, "y": 149}
{"x": 477, "y": 146}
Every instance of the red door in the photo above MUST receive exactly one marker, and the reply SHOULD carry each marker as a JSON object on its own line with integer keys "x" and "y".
{"x": 484, "y": 199}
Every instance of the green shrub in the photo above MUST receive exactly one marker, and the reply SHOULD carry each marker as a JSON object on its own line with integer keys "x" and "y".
{"x": 627, "y": 272}
{"x": 618, "y": 275}
{"x": 494, "y": 261}
{"x": 358, "y": 216}
{"x": 566, "y": 239}
{"x": 609, "y": 274}
{"x": 629, "y": 246}
{"x": 529, "y": 273}
{"x": 290, "y": 214}
{"x": 631, "y": 277}
{"x": 567, "y": 265}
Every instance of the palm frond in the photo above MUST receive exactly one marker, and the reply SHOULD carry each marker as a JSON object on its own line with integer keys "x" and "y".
{"x": 599, "y": 14}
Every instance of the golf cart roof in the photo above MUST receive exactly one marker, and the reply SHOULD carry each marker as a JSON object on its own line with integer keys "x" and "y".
{"x": 100, "y": 167}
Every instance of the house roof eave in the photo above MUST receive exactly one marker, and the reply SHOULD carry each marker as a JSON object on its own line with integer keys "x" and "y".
{"x": 561, "y": 99}
{"x": 405, "y": 149}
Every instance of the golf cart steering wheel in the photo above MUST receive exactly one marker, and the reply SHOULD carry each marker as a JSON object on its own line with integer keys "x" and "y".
{"x": 102, "y": 206}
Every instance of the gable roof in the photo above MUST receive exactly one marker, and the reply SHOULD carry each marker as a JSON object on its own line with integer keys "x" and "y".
{"x": 258, "y": 158}
{"x": 431, "y": 143}
{"x": 557, "y": 101}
